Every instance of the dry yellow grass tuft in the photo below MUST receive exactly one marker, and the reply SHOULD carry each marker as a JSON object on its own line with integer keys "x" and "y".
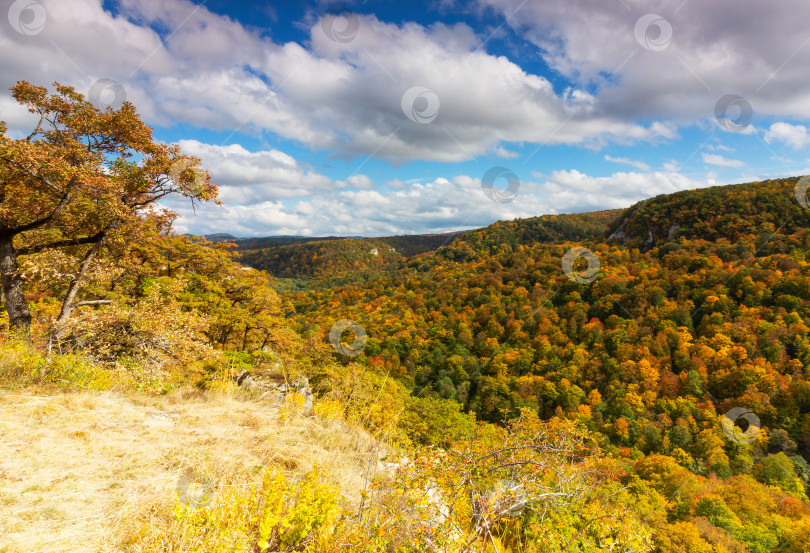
{"x": 87, "y": 471}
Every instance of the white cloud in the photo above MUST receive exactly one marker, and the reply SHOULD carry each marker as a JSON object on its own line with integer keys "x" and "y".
{"x": 754, "y": 49}
{"x": 716, "y": 159}
{"x": 672, "y": 166}
{"x": 502, "y": 152}
{"x": 637, "y": 164}
{"x": 210, "y": 71}
{"x": 795, "y": 136}
{"x": 246, "y": 177}
{"x": 439, "y": 205}
{"x": 359, "y": 182}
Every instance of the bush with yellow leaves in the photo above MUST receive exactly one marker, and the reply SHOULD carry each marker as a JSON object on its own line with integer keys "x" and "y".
{"x": 277, "y": 515}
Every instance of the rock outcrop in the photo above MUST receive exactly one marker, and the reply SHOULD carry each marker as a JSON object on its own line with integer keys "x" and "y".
{"x": 276, "y": 387}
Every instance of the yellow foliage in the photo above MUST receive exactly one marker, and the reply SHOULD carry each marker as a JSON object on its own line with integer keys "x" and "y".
{"x": 293, "y": 404}
{"x": 278, "y": 515}
{"x": 328, "y": 409}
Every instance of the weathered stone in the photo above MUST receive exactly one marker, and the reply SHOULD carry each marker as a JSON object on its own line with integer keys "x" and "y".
{"x": 276, "y": 388}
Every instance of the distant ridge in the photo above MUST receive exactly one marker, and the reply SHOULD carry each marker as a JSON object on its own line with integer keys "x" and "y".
{"x": 220, "y": 237}
{"x": 297, "y": 257}
{"x": 728, "y": 211}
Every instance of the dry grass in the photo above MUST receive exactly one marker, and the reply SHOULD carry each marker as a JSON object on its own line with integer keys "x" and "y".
{"x": 85, "y": 471}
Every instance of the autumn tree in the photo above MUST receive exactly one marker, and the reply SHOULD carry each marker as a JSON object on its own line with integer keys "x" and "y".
{"x": 81, "y": 175}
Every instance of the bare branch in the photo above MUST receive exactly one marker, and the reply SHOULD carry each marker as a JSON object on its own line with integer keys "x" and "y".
{"x": 92, "y": 302}
{"x": 37, "y": 129}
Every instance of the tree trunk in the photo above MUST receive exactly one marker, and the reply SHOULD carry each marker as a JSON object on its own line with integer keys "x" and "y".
{"x": 19, "y": 317}
{"x": 70, "y": 297}
{"x": 245, "y": 337}
{"x": 224, "y": 336}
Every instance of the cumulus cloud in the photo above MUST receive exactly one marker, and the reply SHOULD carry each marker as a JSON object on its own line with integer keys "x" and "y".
{"x": 795, "y": 136}
{"x": 438, "y": 205}
{"x": 207, "y": 70}
{"x": 252, "y": 177}
{"x": 716, "y": 159}
{"x": 679, "y": 64}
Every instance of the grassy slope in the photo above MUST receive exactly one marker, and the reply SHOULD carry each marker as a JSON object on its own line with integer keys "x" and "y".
{"x": 84, "y": 471}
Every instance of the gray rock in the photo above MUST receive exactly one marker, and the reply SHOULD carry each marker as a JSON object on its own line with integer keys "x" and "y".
{"x": 275, "y": 387}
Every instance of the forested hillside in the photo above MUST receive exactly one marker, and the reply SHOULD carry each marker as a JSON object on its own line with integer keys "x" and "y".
{"x": 633, "y": 380}
{"x": 673, "y": 331}
{"x": 732, "y": 213}
{"x": 294, "y": 257}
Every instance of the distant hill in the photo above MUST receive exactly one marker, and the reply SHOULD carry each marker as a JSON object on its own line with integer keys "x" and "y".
{"x": 320, "y": 258}
{"x": 546, "y": 229}
{"x": 721, "y": 212}
{"x": 300, "y": 257}
{"x": 274, "y": 241}
{"x": 729, "y": 212}
{"x": 220, "y": 237}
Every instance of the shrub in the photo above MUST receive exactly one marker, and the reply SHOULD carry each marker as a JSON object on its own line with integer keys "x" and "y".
{"x": 277, "y": 515}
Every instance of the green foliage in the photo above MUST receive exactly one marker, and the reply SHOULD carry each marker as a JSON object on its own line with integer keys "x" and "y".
{"x": 433, "y": 421}
{"x": 778, "y": 470}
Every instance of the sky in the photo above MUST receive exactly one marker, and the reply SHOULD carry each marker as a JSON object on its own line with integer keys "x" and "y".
{"x": 381, "y": 117}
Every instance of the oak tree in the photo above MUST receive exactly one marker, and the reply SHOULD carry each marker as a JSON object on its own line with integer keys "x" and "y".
{"x": 79, "y": 176}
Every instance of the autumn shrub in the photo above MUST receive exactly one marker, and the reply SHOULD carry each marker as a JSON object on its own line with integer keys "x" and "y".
{"x": 149, "y": 338}
{"x": 527, "y": 486}
{"x": 438, "y": 422}
{"x": 373, "y": 401}
{"x": 274, "y": 515}
{"x": 23, "y": 364}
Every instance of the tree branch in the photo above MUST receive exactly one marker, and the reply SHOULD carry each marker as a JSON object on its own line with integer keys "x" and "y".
{"x": 31, "y": 174}
{"x": 38, "y": 128}
{"x": 67, "y": 304}
{"x": 92, "y": 302}
{"x": 62, "y": 203}
{"x": 63, "y": 243}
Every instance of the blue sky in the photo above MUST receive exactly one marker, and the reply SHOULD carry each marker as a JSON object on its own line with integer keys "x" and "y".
{"x": 379, "y": 117}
